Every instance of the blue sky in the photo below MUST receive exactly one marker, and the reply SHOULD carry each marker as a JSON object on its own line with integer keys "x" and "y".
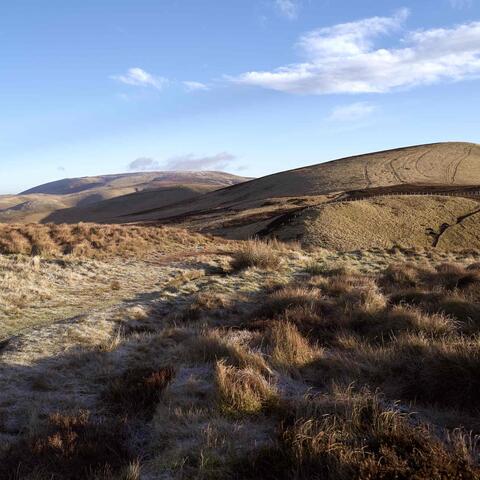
{"x": 247, "y": 86}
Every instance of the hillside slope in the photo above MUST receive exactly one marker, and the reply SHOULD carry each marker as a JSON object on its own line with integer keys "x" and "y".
{"x": 114, "y": 210}
{"x": 448, "y": 223}
{"x": 435, "y": 164}
{"x": 40, "y": 202}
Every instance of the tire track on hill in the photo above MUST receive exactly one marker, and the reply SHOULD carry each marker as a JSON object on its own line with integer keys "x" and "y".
{"x": 419, "y": 158}
{"x": 459, "y": 162}
{"x": 394, "y": 171}
{"x": 367, "y": 176}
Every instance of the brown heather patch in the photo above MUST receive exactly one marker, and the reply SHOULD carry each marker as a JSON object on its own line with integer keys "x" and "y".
{"x": 137, "y": 391}
{"x": 73, "y": 447}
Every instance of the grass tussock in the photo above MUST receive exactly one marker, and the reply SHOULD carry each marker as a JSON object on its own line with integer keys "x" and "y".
{"x": 290, "y": 349}
{"x": 92, "y": 240}
{"x": 242, "y": 390}
{"x": 357, "y": 437}
{"x": 137, "y": 391}
{"x": 205, "y": 303}
{"x": 259, "y": 254}
{"x": 434, "y": 372}
{"x": 212, "y": 347}
{"x": 73, "y": 447}
{"x": 421, "y": 346}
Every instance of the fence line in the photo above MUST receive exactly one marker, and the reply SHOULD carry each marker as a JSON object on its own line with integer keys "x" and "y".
{"x": 474, "y": 193}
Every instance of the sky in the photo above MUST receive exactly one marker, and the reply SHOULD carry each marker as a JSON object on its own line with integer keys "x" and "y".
{"x": 251, "y": 87}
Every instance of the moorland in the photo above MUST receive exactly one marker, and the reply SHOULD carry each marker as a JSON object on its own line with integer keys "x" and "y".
{"x": 320, "y": 323}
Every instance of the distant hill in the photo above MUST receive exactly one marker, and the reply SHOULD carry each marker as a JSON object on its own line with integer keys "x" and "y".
{"x": 40, "y": 202}
{"x": 137, "y": 180}
{"x": 435, "y": 164}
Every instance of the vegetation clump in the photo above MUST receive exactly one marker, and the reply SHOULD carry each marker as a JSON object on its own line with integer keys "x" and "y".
{"x": 138, "y": 390}
{"x": 74, "y": 447}
{"x": 242, "y": 390}
{"x": 255, "y": 253}
{"x": 93, "y": 241}
{"x": 356, "y": 437}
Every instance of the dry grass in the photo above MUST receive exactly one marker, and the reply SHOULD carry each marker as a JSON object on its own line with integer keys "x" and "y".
{"x": 212, "y": 347}
{"x": 38, "y": 291}
{"x": 255, "y": 253}
{"x": 386, "y": 222}
{"x": 205, "y": 303}
{"x": 290, "y": 349}
{"x": 242, "y": 391}
{"x": 273, "y": 370}
{"x": 355, "y": 436}
{"x": 94, "y": 241}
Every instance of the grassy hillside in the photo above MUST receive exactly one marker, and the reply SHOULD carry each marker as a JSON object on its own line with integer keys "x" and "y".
{"x": 436, "y": 164}
{"x": 95, "y": 241}
{"x": 408, "y": 221}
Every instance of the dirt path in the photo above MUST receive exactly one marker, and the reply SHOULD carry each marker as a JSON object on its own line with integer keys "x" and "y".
{"x": 56, "y": 294}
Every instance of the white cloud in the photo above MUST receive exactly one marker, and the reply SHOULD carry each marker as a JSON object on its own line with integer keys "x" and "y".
{"x": 287, "y": 8}
{"x": 353, "y": 112}
{"x": 143, "y": 164}
{"x": 344, "y": 59}
{"x": 140, "y": 78}
{"x": 195, "y": 86}
{"x": 192, "y": 162}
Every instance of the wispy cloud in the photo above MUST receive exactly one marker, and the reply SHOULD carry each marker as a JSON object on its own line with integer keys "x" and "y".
{"x": 461, "y": 3}
{"x": 193, "y": 162}
{"x": 140, "y": 78}
{"x": 195, "y": 86}
{"x": 344, "y": 58}
{"x": 287, "y": 8}
{"x": 190, "y": 161}
{"x": 352, "y": 112}
{"x": 143, "y": 164}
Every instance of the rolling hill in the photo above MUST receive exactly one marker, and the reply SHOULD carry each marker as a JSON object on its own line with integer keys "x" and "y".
{"x": 134, "y": 181}
{"x": 435, "y": 164}
{"x": 40, "y": 202}
{"x": 284, "y": 203}
{"x": 424, "y": 195}
{"x": 445, "y": 222}
{"x": 114, "y": 210}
